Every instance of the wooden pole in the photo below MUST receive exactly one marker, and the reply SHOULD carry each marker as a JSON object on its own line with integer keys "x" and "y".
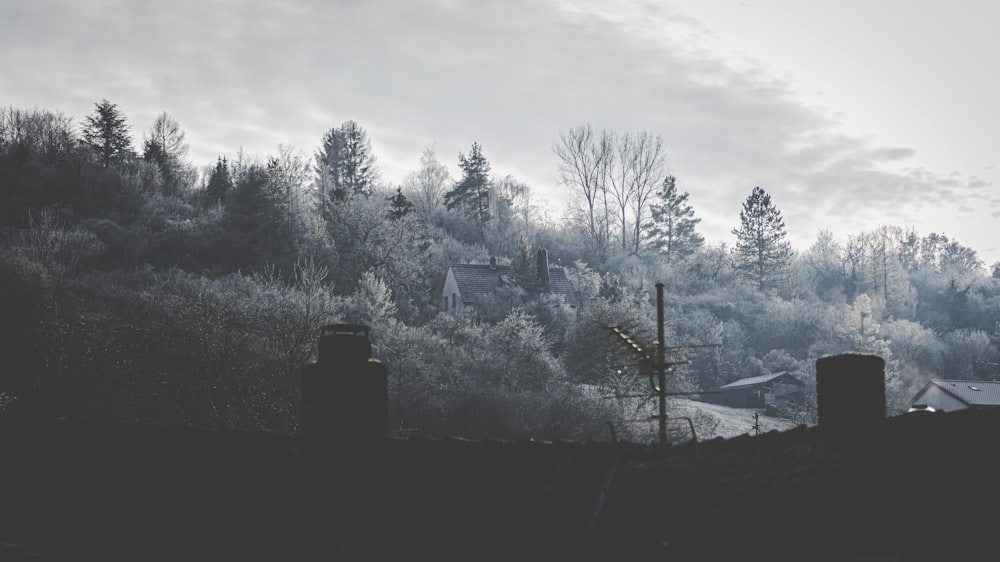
{"x": 661, "y": 366}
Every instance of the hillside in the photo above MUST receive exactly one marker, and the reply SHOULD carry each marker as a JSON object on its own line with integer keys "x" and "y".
{"x": 713, "y": 420}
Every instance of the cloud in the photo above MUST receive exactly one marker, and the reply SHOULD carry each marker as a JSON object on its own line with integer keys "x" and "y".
{"x": 510, "y": 75}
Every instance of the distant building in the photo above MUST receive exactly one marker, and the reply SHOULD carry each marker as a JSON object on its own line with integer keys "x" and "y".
{"x": 468, "y": 286}
{"x": 948, "y": 395}
{"x": 764, "y": 391}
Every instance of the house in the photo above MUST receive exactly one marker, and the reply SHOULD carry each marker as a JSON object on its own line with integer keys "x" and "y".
{"x": 468, "y": 286}
{"x": 948, "y": 395}
{"x": 764, "y": 391}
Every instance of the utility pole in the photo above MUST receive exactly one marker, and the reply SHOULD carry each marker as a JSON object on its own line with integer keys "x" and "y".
{"x": 661, "y": 366}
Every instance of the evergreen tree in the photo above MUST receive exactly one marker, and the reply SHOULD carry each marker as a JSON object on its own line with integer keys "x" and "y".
{"x": 672, "y": 228}
{"x": 345, "y": 165}
{"x": 220, "y": 182}
{"x": 471, "y": 194}
{"x": 762, "y": 253}
{"x": 257, "y": 221}
{"x": 106, "y": 132}
{"x": 399, "y": 205}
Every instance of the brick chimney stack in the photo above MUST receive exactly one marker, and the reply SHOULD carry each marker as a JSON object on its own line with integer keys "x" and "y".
{"x": 850, "y": 393}
{"x": 345, "y": 418}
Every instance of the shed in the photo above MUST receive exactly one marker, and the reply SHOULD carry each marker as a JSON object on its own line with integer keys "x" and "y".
{"x": 763, "y": 391}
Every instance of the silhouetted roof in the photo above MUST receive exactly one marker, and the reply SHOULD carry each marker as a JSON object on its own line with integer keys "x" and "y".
{"x": 973, "y": 393}
{"x": 810, "y": 493}
{"x": 75, "y": 490}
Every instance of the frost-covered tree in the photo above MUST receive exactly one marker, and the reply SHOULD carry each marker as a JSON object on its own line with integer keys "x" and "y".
{"x": 345, "y": 164}
{"x": 762, "y": 253}
{"x": 428, "y": 185}
{"x": 671, "y": 228}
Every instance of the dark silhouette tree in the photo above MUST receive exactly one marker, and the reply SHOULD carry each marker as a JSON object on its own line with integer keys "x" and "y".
{"x": 672, "y": 226}
{"x": 220, "y": 182}
{"x": 399, "y": 205}
{"x": 762, "y": 253}
{"x": 106, "y": 132}
{"x": 471, "y": 194}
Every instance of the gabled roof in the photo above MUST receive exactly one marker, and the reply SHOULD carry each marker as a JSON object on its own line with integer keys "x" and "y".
{"x": 973, "y": 393}
{"x": 751, "y": 381}
{"x": 477, "y": 281}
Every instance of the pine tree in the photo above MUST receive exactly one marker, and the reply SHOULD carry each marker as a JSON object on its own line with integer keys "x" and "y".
{"x": 672, "y": 227}
{"x": 106, "y": 132}
{"x": 762, "y": 253}
{"x": 220, "y": 182}
{"x": 345, "y": 165}
{"x": 399, "y": 205}
{"x": 471, "y": 194}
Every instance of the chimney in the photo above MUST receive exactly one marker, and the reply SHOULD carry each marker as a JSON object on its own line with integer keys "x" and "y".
{"x": 542, "y": 271}
{"x": 493, "y": 262}
{"x": 850, "y": 393}
{"x": 345, "y": 393}
{"x": 344, "y": 429}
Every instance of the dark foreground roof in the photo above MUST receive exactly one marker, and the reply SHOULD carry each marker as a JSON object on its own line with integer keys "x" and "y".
{"x": 914, "y": 487}
{"x": 94, "y": 491}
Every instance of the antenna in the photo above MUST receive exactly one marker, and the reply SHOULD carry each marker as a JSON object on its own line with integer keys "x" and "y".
{"x": 656, "y": 362}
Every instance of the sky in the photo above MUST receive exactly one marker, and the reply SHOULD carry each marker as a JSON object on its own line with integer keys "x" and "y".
{"x": 851, "y": 114}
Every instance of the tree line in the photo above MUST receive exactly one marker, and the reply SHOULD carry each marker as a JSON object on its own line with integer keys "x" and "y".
{"x": 141, "y": 287}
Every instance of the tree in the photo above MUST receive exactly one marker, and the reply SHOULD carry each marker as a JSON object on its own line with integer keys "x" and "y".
{"x": 166, "y": 146}
{"x": 106, "y": 132}
{"x": 220, "y": 182}
{"x": 345, "y": 165}
{"x": 671, "y": 228}
{"x": 400, "y": 205}
{"x": 427, "y": 185}
{"x": 471, "y": 194}
{"x": 258, "y": 218}
{"x": 762, "y": 253}
{"x": 611, "y": 175}
{"x": 583, "y": 163}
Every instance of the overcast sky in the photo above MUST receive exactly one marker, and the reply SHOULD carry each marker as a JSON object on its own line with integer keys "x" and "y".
{"x": 851, "y": 114}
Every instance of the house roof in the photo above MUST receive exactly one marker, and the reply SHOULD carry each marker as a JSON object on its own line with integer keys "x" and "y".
{"x": 811, "y": 494}
{"x": 751, "y": 381}
{"x": 75, "y": 490}
{"x": 973, "y": 393}
{"x": 477, "y": 281}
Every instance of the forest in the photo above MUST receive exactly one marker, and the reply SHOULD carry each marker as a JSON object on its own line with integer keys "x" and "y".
{"x": 137, "y": 286}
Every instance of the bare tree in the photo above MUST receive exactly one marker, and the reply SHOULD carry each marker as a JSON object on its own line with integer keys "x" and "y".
{"x": 428, "y": 185}
{"x": 649, "y": 168}
{"x": 166, "y": 146}
{"x": 611, "y": 175}
{"x": 582, "y": 168}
